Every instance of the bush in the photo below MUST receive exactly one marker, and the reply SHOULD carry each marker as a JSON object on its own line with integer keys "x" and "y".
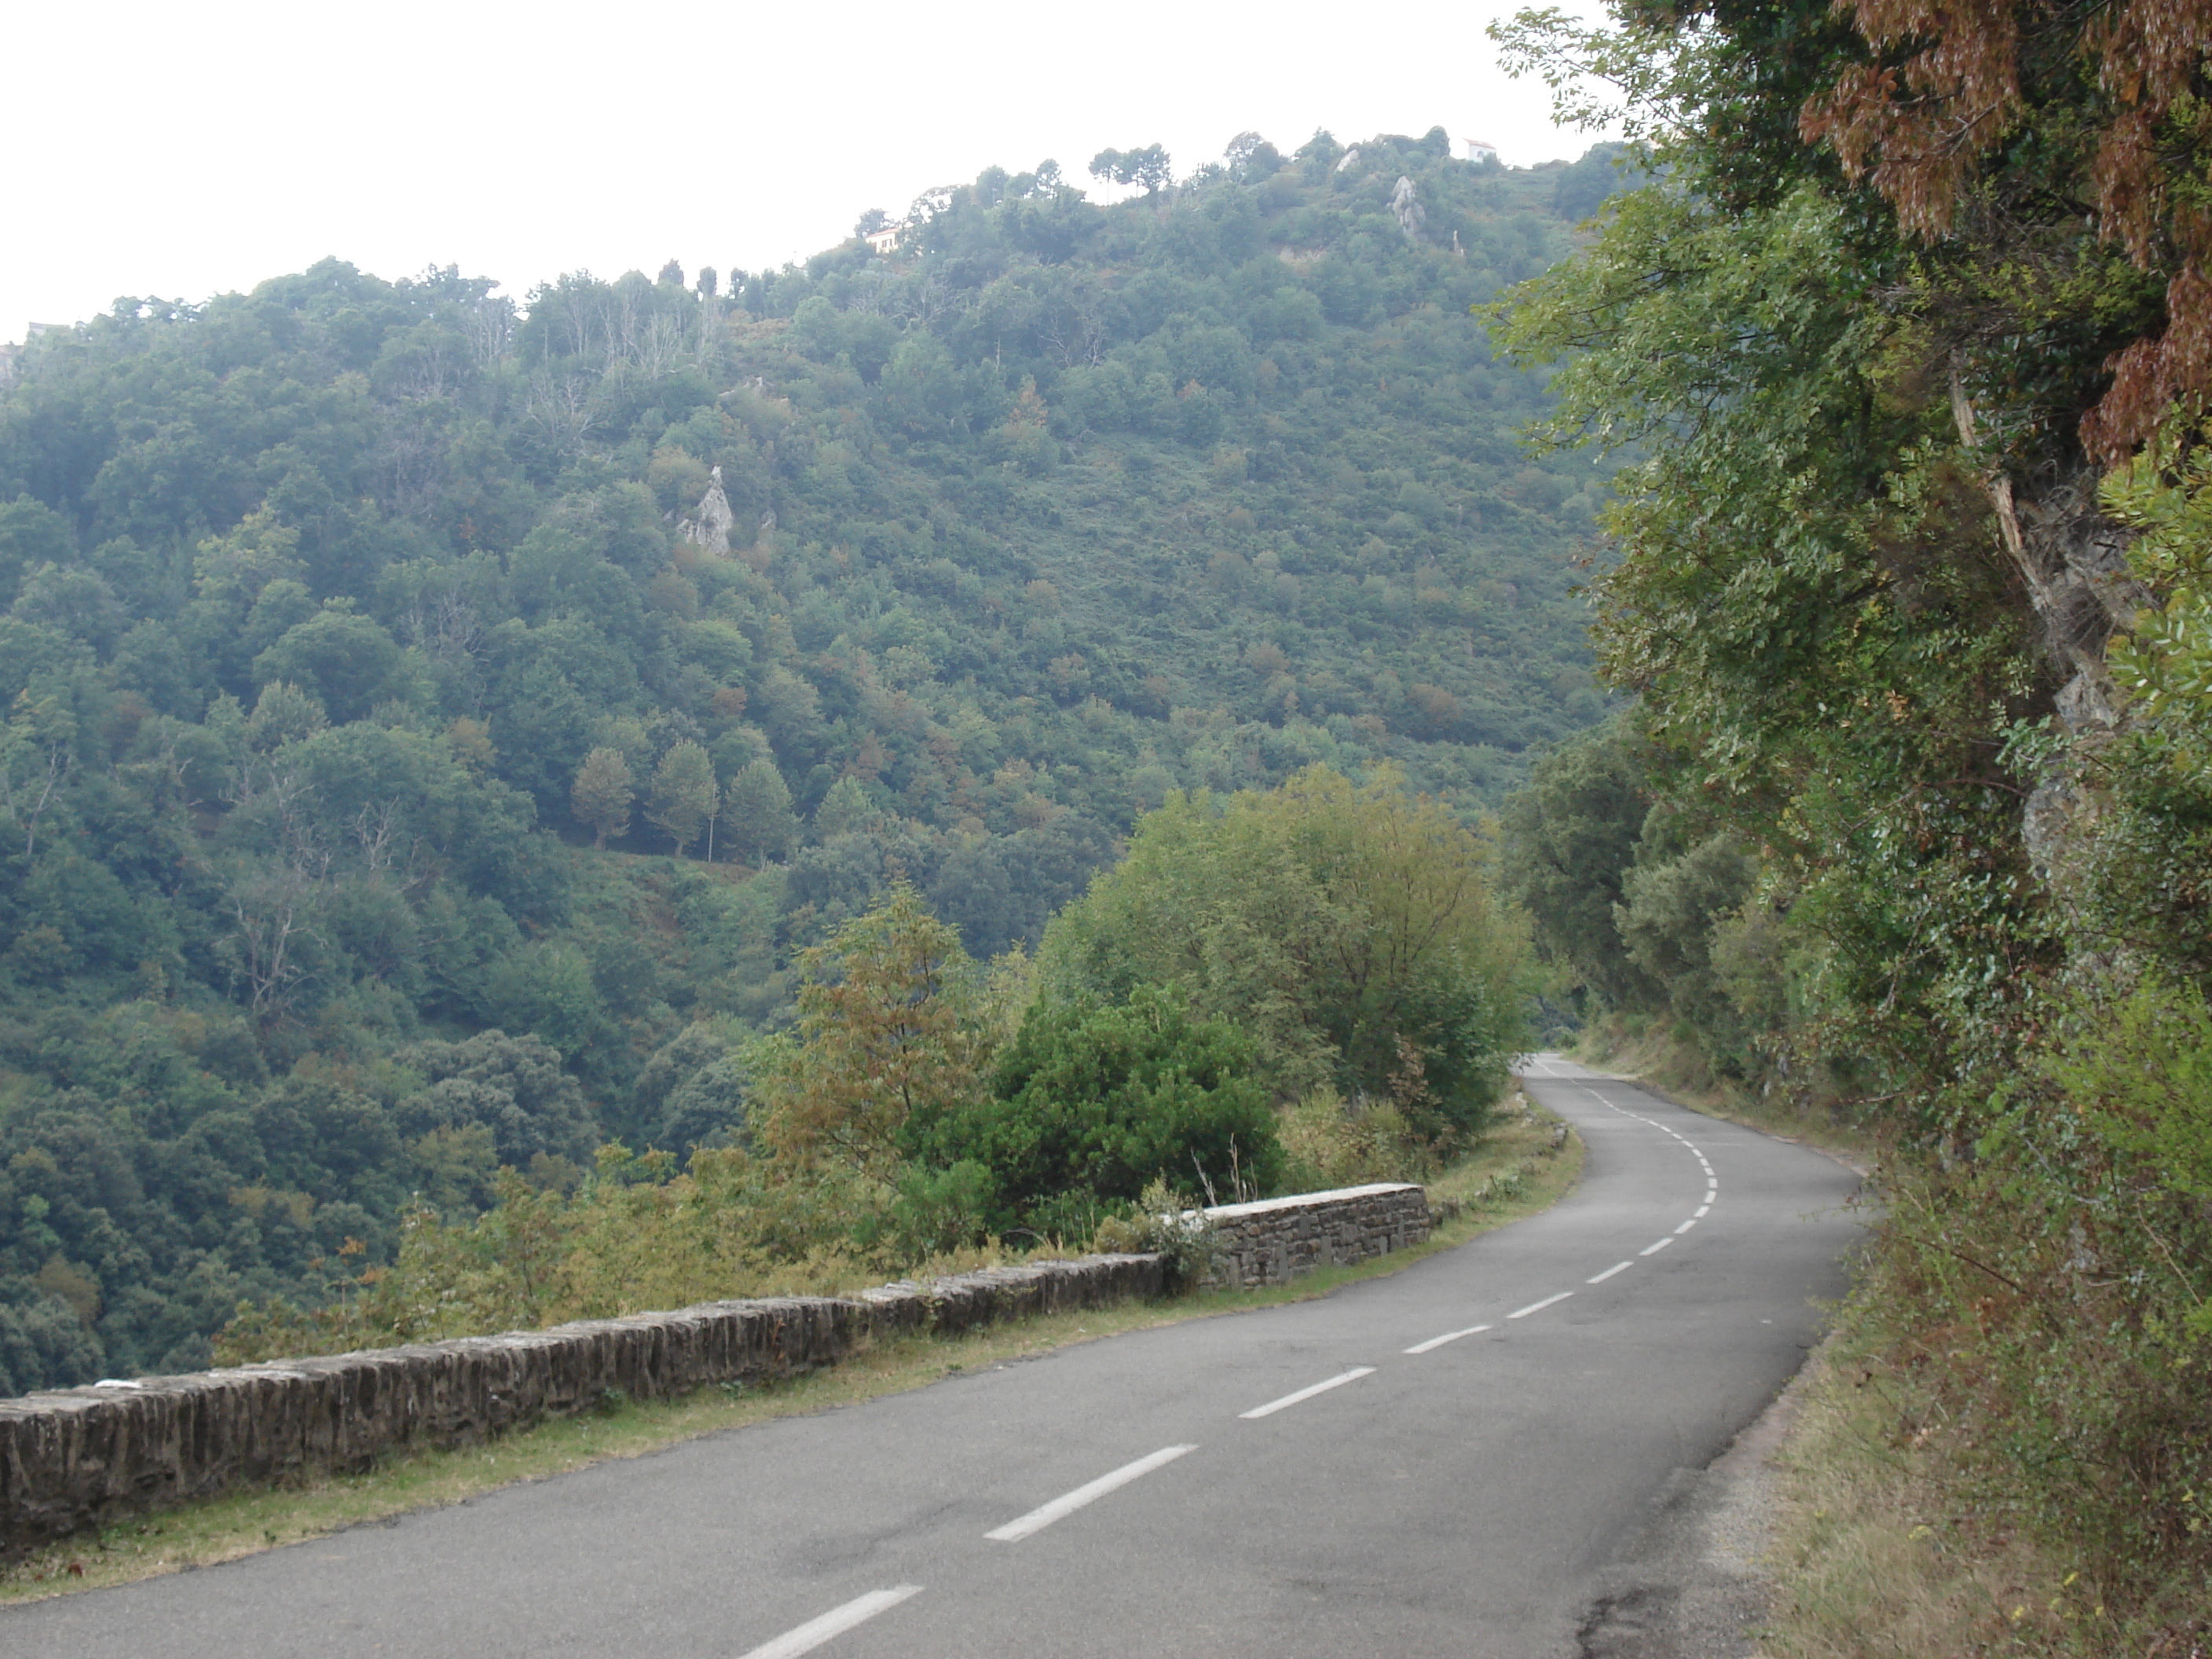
{"x": 1328, "y": 1143}
{"x": 1089, "y": 1103}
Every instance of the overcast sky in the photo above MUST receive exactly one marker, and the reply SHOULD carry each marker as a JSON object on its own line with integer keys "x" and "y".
{"x": 187, "y": 151}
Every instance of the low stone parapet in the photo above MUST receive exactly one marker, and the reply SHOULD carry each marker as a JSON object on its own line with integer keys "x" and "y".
{"x": 1274, "y": 1240}
{"x": 72, "y": 1458}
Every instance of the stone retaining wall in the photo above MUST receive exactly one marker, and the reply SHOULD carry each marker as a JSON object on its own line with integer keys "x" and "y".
{"x": 77, "y": 1457}
{"x": 73, "y": 1458}
{"x": 1276, "y": 1239}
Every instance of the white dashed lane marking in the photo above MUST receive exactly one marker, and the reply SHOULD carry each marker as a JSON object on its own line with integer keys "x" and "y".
{"x": 1045, "y": 1514}
{"x": 836, "y": 1622}
{"x": 1290, "y": 1399}
{"x": 1711, "y": 1196}
{"x": 1539, "y": 1307}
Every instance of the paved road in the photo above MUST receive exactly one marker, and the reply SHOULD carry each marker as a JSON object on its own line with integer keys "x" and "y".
{"x": 1450, "y": 1461}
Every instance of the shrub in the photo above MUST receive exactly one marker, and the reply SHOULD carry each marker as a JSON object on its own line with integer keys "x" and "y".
{"x": 1090, "y": 1102}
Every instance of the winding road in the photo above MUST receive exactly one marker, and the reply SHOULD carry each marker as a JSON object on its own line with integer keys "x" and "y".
{"x": 1470, "y": 1457}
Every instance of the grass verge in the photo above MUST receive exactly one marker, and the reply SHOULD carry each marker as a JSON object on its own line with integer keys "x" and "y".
{"x": 1879, "y": 1550}
{"x": 1679, "y": 1073}
{"x": 1521, "y": 1167}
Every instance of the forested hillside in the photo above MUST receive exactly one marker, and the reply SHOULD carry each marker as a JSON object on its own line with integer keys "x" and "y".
{"x": 435, "y": 725}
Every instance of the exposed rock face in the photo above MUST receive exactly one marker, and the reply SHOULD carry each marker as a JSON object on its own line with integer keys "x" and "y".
{"x": 710, "y": 529}
{"x": 2074, "y": 562}
{"x": 1405, "y": 207}
{"x": 1276, "y": 1239}
{"x": 1349, "y": 160}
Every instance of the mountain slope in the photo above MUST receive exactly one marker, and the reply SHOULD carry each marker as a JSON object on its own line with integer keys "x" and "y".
{"x": 320, "y": 598}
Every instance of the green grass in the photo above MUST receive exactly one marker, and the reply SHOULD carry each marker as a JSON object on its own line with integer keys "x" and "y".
{"x": 1516, "y": 1171}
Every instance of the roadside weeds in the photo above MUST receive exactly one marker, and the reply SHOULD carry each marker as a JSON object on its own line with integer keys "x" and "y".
{"x": 1872, "y": 1556}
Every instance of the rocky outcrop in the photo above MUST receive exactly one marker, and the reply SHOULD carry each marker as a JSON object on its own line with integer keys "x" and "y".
{"x": 2073, "y": 561}
{"x": 710, "y": 527}
{"x": 78, "y": 1457}
{"x": 1406, "y": 208}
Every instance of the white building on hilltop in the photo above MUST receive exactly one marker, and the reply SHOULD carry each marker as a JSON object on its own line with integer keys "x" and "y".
{"x": 1479, "y": 149}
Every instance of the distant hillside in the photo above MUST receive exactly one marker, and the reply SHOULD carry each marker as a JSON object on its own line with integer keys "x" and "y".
{"x": 320, "y": 598}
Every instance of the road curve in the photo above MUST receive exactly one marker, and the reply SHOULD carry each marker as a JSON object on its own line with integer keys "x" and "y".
{"x": 1453, "y": 1460}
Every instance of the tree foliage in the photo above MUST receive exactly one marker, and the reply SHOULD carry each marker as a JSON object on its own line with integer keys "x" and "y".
{"x": 684, "y": 795}
{"x": 602, "y": 794}
{"x": 1089, "y": 1104}
{"x": 1353, "y": 932}
{"x": 887, "y": 1033}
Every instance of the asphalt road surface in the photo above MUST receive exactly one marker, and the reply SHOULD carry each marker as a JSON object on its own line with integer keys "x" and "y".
{"x": 1453, "y": 1460}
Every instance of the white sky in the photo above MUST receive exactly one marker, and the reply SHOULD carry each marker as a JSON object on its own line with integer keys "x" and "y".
{"x": 183, "y": 152}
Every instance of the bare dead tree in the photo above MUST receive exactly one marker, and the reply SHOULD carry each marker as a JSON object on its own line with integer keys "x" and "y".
{"x": 489, "y": 327}
{"x": 376, "y": 827}
{"x": 658, "y": 346}
{"x": 275, "y": 907}
{"x": 562, "y": 406}
{"x": 28, "y": 790}
{"x": 1075, "y": 331}
{"x": 430, "y": 370}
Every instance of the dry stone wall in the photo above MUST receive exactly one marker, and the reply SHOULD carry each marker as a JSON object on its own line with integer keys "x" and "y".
{"x": 1276, "y": 1239}
{"x": 78, "y": 1457}
{"x": 73, "y": 1458}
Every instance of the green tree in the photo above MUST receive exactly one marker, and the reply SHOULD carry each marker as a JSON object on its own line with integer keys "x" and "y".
{"x": 602, "y": 794}
{"x": 1352, "y": 931}
{"x": 31, "y": 534}
{"x": 1568, "y": 841}
{"x": 888, "y": 1033}
{"x": 1148, "y": 168}
{"x": 350, "y": 661}
{"x": 512, "y": 1088}
{"x": 684, "y": 795}
{"x": 757, "y": 810}
{"x": 846, "y": 807}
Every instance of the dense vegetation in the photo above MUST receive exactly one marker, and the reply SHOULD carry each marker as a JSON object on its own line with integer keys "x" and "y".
{"x": 1313, "y": 985}
{"x": 1912, "y": 822}
{"x": 366, "y": 644}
